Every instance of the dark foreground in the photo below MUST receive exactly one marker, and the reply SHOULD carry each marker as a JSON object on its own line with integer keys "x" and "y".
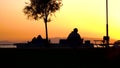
{"x": 60, "y": 58}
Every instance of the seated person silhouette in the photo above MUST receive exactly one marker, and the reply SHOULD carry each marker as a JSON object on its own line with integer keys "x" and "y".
{"x": 37, "y": 41}
{"x": 74, "y": 39}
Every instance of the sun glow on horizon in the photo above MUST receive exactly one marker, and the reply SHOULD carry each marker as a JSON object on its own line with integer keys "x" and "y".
{"x": 89, "y": 16}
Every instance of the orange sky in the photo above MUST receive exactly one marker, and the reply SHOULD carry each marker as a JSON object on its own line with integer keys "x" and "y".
{"x": 87, "y": 15}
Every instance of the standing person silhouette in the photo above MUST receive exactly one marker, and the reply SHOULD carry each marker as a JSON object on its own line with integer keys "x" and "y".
{"x": 74, "y": 38}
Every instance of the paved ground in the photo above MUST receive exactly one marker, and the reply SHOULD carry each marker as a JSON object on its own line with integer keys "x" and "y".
{"x": 61, "y": 57}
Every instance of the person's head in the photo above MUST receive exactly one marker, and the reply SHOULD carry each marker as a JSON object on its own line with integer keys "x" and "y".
{"x": 39, "y": 37}
{"x": 75, "y": 30}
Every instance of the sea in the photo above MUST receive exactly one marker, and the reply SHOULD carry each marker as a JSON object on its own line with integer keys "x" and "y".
{"x": 8, "y": 46}
{"x": 13, "y": 46}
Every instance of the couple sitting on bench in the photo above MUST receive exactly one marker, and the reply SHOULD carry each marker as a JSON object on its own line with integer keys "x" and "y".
{"x": 73, "y": 39}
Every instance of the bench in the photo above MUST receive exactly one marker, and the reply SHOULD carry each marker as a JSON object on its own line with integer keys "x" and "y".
{"x": 65, "y": 42}
{"x": 102, "y": 42}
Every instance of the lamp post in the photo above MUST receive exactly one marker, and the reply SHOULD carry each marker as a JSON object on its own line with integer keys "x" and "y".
{"x": 107, "y": 36}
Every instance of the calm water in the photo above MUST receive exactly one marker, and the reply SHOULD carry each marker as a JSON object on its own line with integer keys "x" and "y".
{"x": 7, "y": 46}
{"x": 13, "y": 46}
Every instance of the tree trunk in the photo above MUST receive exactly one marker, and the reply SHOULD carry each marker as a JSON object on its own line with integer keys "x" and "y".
{"x": 46, "y": 31}
{"x": 46, "y": 20}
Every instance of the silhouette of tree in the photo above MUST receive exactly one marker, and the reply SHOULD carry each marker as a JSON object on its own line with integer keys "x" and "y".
{"x": 42, "y": 9}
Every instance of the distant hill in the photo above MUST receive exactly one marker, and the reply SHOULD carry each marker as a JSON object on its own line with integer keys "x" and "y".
{"x": 92, "y": 39}
{"x": 56, "y": 40}
{"x": 6, "y": 42}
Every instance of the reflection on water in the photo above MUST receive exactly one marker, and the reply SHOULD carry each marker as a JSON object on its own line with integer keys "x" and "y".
{"x": 7, "y": 46}
{"x": 98, "y": 46}
{"x": 13, "y": 46}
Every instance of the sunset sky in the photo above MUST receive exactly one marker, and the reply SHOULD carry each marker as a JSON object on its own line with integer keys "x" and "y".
{"x": 89, "y": 16}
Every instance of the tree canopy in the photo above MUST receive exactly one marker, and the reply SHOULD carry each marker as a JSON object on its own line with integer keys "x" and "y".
{"x": 38, "y": 9}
